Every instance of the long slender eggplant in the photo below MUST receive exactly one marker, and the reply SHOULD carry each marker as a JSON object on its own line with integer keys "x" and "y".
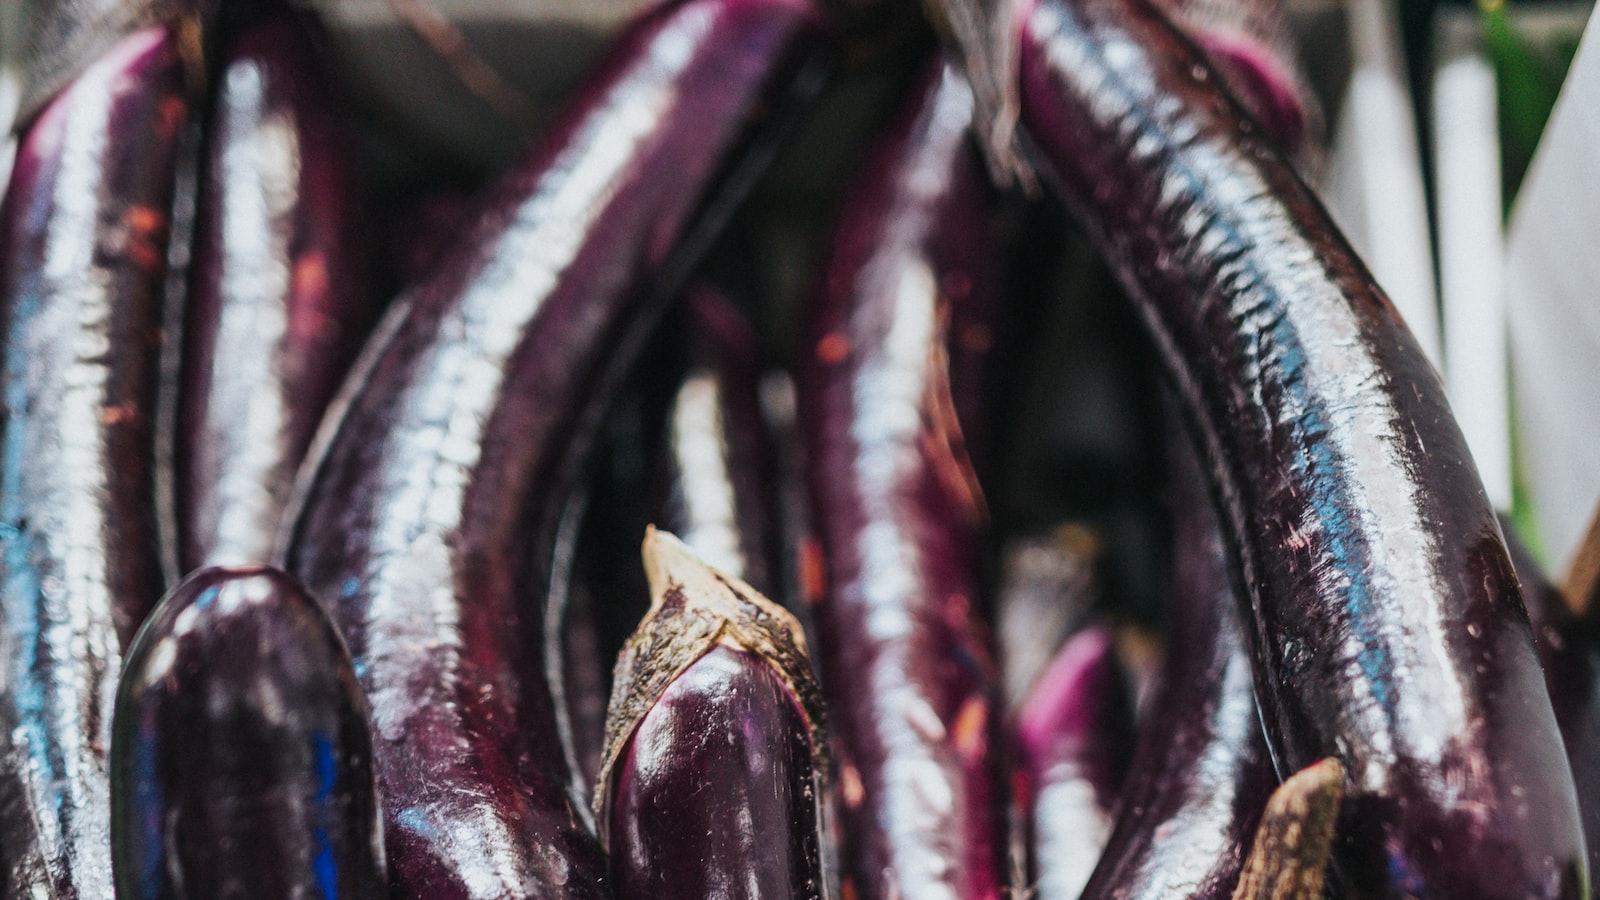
{"x": 278, "y": 303}
{"x": 1571, "y": 659}
{"x": 906, "y": 668}
{"x": 83, "y": 260}
{"x": 1386, "y": 622}
{"x": 240, "y": 760}
{"x": 1201, "y": 773}
{"x": 1075, "y": 733}
{"x": 686, "y": 449}
{"x": 426, "y": 518}
{"x": 720, "y": 467}
{"x": 714, "y": 743}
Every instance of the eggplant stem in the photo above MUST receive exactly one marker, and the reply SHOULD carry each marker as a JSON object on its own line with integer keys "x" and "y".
{"x": 1289, "y": 858}
{"x": 694, "y": 607}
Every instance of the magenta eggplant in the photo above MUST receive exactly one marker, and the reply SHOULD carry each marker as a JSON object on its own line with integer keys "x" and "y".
{"x": 711, "y": 771}
{"x": 240, "y": 760}
{"x": 720, "y": 467}
{"x": 427, "y": 520}
{"x": 1075, "y": 736}
{"x": 1386, "y": 623}
{"x": 1201, "y": 773}
{"x": 906, "y": 667}
{"x": 1571, "y": 660}
{"x": 83, "y": 262}
{"x": 278, "y": 302}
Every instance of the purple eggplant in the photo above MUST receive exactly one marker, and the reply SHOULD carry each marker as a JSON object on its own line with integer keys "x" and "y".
{"x": 1289, "y": 858}
{"x": 240, "y": 760}
{"x": 1571, "y": 659}
{"x": 83, "y": 263}
{"x": 1049, "y": 583}
{"x": 1249, "y": 43}
{"x": 428, "y": 519}
{"x": 1075, "y": 733}
{"x": 1201, "y": 773}
{"x": 1386, "y": 623}
{"x": 906, "y": 667}
{"x": 714, "y": 743}
{"x": 720, "y": 466}
{"x": 278, "y": 302}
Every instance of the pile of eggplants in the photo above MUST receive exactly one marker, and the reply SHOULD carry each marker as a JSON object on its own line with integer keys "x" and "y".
{"x": 320, "y": 550}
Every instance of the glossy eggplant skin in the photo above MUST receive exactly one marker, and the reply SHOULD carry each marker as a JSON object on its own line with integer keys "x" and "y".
{"x": 426, "y": 523}
{"x": 720, "y": 468}
{"x": 1571, "y": 660}
{"x": 1387, "y": 626}
{"x": 278, "y": 302}
{"x": 907, "y": 673}
{"x": 1201, "y": 773}
{"x": 716, "y": 795}
{"x": 1075, "y": 733}
{"x": 240, "y": 760}
{"x": 83, "y": 260}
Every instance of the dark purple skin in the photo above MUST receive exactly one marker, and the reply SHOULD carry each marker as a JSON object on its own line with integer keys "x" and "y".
{"x": 907, "y": 673}
{"x": 278, "y": 302}
{"x": 429, "y": 517}
{"x": 1386, "y": 623}
{"x": 83, "y": 262}
{"x": 1075, "y": 735}
{"x": 1571, "y": 661}
{"x": 1201, "y": 773}
{"x": 715, "y": 794}
{"x": 240, "y": 760}
{"x": 720, "y": 469}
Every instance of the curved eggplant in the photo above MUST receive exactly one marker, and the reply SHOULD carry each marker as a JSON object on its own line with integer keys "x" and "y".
{"x": 278, "y": 302}
{"x": 1571, "y": 660}
{"x": 720, "y": 468}
{"x": 910, "y": 684}
{"x": 426, "y": 521}
{"x": 1075, "y": 733}
{"x": 83, "y": 262}
{"x": 714, "y": 743}
{"x": 1201, "y": 773}
{"x": 1387, "y": 625}
{"x": 240, "y": 760}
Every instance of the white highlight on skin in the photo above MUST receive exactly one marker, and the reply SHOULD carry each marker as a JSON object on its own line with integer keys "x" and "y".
{"x": 261, "y": 167}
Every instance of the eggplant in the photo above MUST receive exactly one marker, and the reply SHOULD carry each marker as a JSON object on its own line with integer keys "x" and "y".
{"x": 906, "y": 666}
{"x": 1049, "y": 583}
{"x": 1571, "y": 659}
{"x": 714, "y": 742}
{"x": 240, "y": 760}
{"x": 426, "y": 516}
{"x": 1386, "y": 623}
{"x": 720, "y": 468}
{"x": 1289, "y": 858}
{"x": 1201, "y": 773}
{"x": 1076, "y": 736}
{"x": 1251, "y": 46}
{"x": 278, "y": 303}
{"x": 83, "y": 263}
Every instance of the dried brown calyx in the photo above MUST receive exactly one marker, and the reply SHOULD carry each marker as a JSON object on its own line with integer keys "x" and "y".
{"x": 694, "y": 608}
{"x": 1289, "y": 857}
